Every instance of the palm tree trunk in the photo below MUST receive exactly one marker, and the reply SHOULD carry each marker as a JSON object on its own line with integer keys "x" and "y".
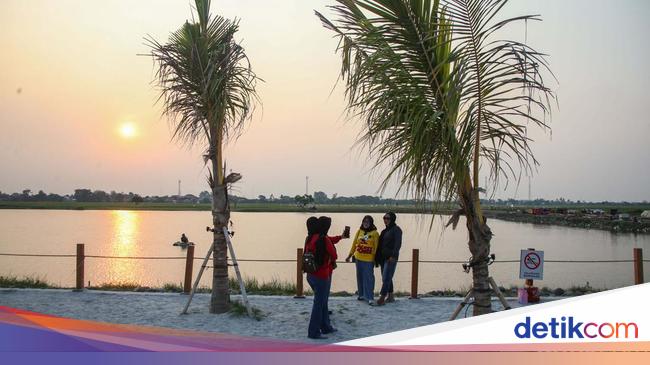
{"x": 220, "y": 299}
{"x": 479, "y": 246}
{"x": 480, "y": 236}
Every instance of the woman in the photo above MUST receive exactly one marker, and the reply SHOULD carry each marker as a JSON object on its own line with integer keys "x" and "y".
{"x": 363, "y": 250}
{"x": 390, "y": 242}
{"x": 320, "y": 280}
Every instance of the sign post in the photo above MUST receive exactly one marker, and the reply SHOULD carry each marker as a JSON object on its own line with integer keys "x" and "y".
{"x": 531, "y": 265}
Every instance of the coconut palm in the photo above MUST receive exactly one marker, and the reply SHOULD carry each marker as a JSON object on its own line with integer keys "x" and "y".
{"x": 442, "y": 99}
{"x": 208, "y": 90}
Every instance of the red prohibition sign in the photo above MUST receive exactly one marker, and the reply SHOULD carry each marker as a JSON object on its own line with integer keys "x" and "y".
{"x": 532, "y": 261}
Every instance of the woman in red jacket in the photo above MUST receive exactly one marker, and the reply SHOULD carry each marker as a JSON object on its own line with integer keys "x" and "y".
{"x": 320, "y": 280}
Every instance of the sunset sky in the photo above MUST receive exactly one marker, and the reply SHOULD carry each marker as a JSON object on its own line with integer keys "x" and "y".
{"x": 77, "y": 103}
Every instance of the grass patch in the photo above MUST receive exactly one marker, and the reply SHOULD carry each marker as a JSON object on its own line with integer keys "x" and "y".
{"x": 130, "y": 286}
{"x": 578, "y": 290}
{"x": 253, "y": 286}
{"x": 342, "y": 293}
{"x": 116, "y": 286}
{"x": 25, "y": 282}
{"x": 172, "y": 288}
{"x": 445, "y": 293}
{"x": 238, "y": 309}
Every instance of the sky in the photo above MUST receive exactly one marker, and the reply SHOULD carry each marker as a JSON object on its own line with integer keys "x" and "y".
{"x": 72, "y": 75}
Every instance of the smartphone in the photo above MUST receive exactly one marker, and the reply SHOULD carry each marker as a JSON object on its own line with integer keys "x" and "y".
{"x": 346, "y": 232}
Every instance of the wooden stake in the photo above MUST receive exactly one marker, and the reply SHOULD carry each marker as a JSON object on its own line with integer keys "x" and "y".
{"x": 299, "y": 284}
{"x": 638, "y": 266}
{"x": 80, "y": 266}
{"x": 415, "y": 264}
{"x": 189, "y": 264}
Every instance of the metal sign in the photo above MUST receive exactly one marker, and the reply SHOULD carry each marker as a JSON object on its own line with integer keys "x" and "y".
{"x": 531, "y": 265}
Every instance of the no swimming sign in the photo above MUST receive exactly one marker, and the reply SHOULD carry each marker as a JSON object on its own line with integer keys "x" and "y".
{"x": 531, "y": 265}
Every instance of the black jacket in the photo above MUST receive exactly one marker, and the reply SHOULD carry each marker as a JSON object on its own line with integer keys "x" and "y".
{"x": 390, "y": 241}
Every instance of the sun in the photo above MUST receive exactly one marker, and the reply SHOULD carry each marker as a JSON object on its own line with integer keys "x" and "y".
{"x": 127, "y": 130}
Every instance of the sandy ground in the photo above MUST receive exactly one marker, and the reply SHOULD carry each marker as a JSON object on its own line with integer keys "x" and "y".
{"x": 284, "y": 317}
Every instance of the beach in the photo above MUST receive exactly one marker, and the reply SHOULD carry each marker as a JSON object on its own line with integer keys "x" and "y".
{"x": 283, "y": 317}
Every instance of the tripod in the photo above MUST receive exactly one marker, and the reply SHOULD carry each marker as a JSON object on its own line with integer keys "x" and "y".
{"x": 234, "y": 264}
{"x": 470, "y": 294}
{"x": 493, "y": 285}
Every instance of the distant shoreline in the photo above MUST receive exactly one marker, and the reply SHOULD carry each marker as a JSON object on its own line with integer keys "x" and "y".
{"x": 602, "y": 222}
{"x": 239, "y": 207}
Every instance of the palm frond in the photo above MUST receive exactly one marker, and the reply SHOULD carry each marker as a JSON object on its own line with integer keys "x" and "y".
{"x": 396, "y": 63}
{"x": 206, "y": 81}
{"x": 503, "y": 91}
{"x": 436, "y": 92}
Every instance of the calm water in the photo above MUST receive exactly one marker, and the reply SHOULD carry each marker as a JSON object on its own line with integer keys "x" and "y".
{"x": 277, "y": 235}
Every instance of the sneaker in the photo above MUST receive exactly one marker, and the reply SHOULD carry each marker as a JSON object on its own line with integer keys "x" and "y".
{"x": 360, "y": 299}
{"x": 371, "y": 302}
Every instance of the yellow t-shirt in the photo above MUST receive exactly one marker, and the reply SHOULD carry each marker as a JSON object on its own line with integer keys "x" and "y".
{"x": 365, "y": 245}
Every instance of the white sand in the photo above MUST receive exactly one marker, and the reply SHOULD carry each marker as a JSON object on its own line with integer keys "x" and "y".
{"x": 285, "y": 317}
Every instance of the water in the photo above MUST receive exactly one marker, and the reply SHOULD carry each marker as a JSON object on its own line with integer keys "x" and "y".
{"x": 278, "y": 235}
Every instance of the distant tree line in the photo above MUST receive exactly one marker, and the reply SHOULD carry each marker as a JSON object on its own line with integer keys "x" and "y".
{"x": 553, "y": 202}
{"x": 100, "y": 196}
{"x": 321, "y": 198}
{"x": 304, "y": 201}
{"x": 27, "y": 196}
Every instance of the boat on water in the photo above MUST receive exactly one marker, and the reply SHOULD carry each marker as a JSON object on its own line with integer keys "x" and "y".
{"x": 183, "y": 244}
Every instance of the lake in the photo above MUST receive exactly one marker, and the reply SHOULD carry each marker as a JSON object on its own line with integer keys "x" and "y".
{"x": 278, "y": 235}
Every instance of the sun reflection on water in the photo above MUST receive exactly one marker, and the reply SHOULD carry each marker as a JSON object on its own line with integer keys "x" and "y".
{"x": 124, "y": 243}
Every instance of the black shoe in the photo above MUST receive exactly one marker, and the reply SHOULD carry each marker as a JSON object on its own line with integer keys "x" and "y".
{"x": 319, "y": 337}
{"x": 331, "y": 330}
{"x": 329, "y": 312}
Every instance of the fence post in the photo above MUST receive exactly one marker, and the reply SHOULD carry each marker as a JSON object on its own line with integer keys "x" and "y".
{"x": 189, "y": 263}
{"x": 299, "y": 289}
{"x": 638, "y": 266}
{"x": 414, "y": 273}
{"x": 80, "y": 267}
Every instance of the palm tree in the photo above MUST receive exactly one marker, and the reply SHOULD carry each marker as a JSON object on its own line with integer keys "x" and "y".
{"x": 441, "y": 97}
{"x": 208, "y": 90}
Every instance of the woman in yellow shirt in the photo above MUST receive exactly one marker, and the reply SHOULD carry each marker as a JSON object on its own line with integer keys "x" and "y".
{"x": 363, "y": 250}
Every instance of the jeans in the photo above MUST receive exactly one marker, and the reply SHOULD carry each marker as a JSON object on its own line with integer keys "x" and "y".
{"x": 320, "y": 318}
{"x": 387, "y": 272}
{"x": 365, "y": 279}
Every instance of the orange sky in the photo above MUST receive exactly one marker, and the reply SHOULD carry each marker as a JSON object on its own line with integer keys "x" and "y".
{"x": 80, "y": 79}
